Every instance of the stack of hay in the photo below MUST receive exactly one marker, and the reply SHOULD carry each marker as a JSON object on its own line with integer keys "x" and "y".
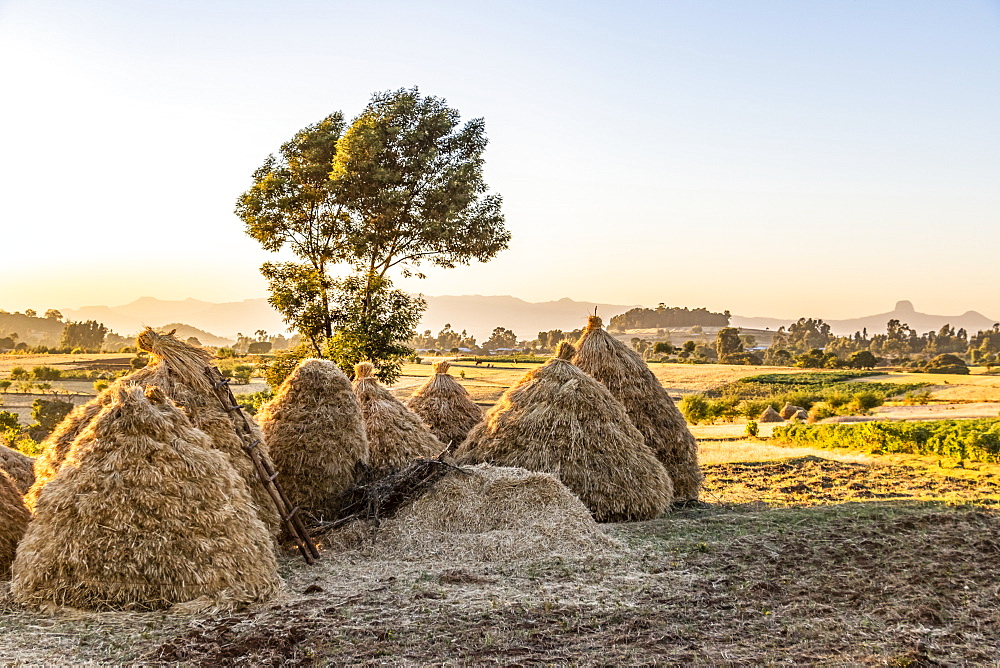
{"x": 14, "y": 518}
{"x": 491, "y": 513}
{"x": 314, "y": 431}
{"x": 19, "y": 466}
{"x": 396, "y": 435}
{"x": 648, "y": 405}
{"x": 557, "y": 419}
{"x": 143, "y": 514}
{"x": 770, "y": 415}
{"x": 178, "y": 369}
{"x": 790, "y": 411}
{"x": 445, "y": 406}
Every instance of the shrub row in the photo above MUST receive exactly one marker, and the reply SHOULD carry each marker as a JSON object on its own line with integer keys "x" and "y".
{"x": 976, "y": 440}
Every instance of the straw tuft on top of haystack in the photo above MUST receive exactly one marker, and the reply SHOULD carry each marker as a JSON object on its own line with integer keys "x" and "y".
{"x": 178, "y": 369}
{"x": 789, "y": 411}
{"x": 770, "y": 415}
{"x": 316, "y": 436}
{"x": 557, "y": 419}
{"x": 489, "y": 513}
{"x": 19, "y": 466}
{"x": 14, "y": 518}
{"x": 144, "y": 514}
{"x": 396, "y": 436}
{"x": 445, "y": 406}
{"x": 652, "y": 411}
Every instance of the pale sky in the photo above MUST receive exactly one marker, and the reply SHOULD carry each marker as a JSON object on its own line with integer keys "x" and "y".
{"x": 774, "y": 158}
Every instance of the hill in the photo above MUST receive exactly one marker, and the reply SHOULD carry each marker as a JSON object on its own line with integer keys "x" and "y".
{"x": 904, "y": 311}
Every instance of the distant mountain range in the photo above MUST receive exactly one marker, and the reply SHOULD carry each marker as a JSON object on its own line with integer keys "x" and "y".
{"x": 972, "y": 321}
{"x": 478, "y": 314}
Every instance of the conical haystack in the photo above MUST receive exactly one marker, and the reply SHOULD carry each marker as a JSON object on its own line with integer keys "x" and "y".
{"x": 14, "y": 518}
{"x": 648, "y": 405}
{"x": 770, "y": 415}
{"x": 316, "y": 436}
{"x": 789, "y": 411}
{"x": 144, "y": 514}
{"x": 19, "y": 466}
{"x": 179, "y": 370}
{"x": 559, "y": 420}
{"x": 492, "y": 513}
{"x": 445, "y": 406}
{"x": 396, "y": 436}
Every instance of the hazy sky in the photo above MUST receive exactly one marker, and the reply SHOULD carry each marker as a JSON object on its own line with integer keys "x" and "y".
{"x": 778, "y": 158}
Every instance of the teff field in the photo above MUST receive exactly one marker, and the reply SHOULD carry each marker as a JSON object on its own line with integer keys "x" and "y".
{"x": 795, "y": 554}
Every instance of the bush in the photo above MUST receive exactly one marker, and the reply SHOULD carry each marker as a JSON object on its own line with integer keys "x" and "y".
{"x": 695, "y": 408}
{"x": 946, "y": 363}
{"x": 48, "y": 413}
{"x": 820, "y": 411}
{"x": 45, "y": 373}
{"x": 254, "y": 400}
{"x": 865, "y": 401}
{"x": 752, "y": 429}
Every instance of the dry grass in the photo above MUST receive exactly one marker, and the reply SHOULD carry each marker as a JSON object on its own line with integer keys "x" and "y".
{"x": 18, "y": 466}
{"x": 445, "y": 406}
{"x": 143, "y": 514}
{"x": 559, "y": 420}
{"x": 14, "y": 518}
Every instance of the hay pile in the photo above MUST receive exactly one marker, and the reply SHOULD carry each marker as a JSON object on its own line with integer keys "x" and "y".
{"x": 445, "y": 406}
{"x": 396, "y": 436}
{"x": 488, "y": 513}
{"x": 559, "y": 420}
{"x": 144, "y": 514}
{"x": 789, "y": 411}
{"x": 770, "y": 415}
{"x": 179, "y": 370}
{"x": 14, "y": 518}
{"x": 316, "y": 436}
{"x": 648, "y": 405}
{"x": 19, "y": 466}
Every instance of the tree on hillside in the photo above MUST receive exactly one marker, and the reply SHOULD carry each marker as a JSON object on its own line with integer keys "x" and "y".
{"x": 53, "y": 314}
{"x": 88, "y": 335}
{"x": 402, "y": 186}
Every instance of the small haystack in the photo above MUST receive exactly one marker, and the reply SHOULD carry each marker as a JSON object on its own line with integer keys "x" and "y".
{"x": 559, "y": 420}
{"x": 650, "y": 408}
{"x": 801, "y": 414}
{"x": 19, "y": 466}
{"x": 770, "y": 415}
{"x": 396, "y": 436}
{"x": 789, "y": 411}
{"x": 144, "y": 514}
{"x": 316, "y": 436}
{"x": 445, "y": 406}
{"x": 14, "y": 518}
{"x": 489, "y": 513}
{"x": 178, "y": 369}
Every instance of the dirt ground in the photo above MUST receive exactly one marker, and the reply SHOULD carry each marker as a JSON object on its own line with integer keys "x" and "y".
{"x": 803, "y": 561}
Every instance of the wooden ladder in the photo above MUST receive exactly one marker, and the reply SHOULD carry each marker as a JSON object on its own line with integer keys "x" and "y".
{"x": 262, "y": 464}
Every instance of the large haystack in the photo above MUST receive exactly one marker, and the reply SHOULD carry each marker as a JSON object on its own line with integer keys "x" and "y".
{"x": 490, "y": 513}
{"x": 19, "y": 466}
{"x": 396, "y": 436}
{"x": 445, "y": 406}
{"x": 144, "y": 514}
{"x": 770, "y": 415}
{"x": 14, "y": 518}
{"x": 316, "y": 436}
{"x": 179, "y": 370}
{"x": 559, "y": 420}
{"x": 650, "y": 408}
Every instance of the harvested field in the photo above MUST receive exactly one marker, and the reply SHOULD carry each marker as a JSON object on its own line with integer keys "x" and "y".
{"x": 742, "y": 579}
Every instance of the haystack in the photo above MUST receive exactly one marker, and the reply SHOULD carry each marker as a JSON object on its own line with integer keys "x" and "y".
{"x": 789, "y": 411}
{"x": 490, "y": 513}
{"x": 19, "y": 466}
{"x": 14, "y": 517}
{"x": 559, "y": 420}
{"x": 801, "y": 414}
{"x": 316, "y": 436}
{"x": 396, "y": 436}
{"x": 648, "y": 405}
{"x": 144, "y": 514}
{"x": 445, "y": 406}
{"x": 770, "y": 415}
{"x": 178, "y": 369}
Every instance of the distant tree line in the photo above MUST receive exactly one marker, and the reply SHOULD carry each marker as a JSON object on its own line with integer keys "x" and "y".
{"x": 663, "y": 316}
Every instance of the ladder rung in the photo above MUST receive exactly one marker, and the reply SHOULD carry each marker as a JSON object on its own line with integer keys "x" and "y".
{"x": 290, "y": 515}
{"x": 272, "y": 477}
{"x": 220, "y": 383}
